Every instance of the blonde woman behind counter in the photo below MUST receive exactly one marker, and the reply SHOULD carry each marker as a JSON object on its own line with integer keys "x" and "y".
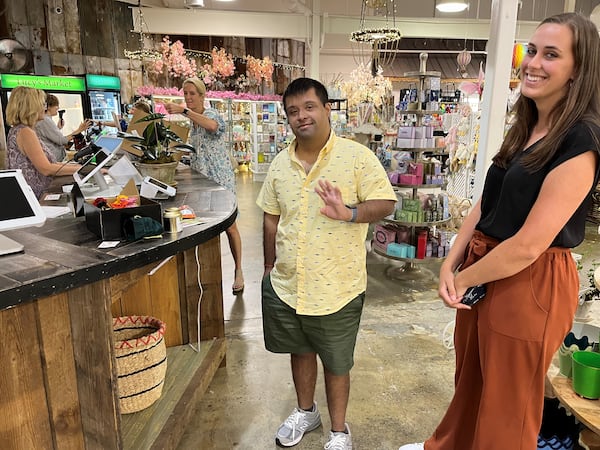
{"x": 212, "y": 157}
{"x": 25, "y": 108}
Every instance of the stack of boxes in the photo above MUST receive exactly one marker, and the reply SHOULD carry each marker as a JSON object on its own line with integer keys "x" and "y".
{"x": 427, "y": 171}
{"x": 394, "y": 241}
{"x": 427, "y": 208}
{"x": 415, "y": 137}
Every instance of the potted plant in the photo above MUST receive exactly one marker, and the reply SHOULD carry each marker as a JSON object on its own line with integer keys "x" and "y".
{"x": 159, "y": 156}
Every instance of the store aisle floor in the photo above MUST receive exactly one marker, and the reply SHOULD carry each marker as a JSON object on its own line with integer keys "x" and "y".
{"x": 402, "y": 380}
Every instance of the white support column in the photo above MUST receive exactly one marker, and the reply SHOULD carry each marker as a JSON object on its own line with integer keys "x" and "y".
{"x": 569, "y": 6}
{"x": 315, "y": 40}
{"x": 496, "y": 88}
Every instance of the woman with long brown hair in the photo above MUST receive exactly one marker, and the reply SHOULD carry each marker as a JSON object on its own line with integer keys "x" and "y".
{"x": 517, "y": 240}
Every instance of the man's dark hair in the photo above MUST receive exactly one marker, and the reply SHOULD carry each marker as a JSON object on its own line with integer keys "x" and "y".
{"x": 302, "y": 85}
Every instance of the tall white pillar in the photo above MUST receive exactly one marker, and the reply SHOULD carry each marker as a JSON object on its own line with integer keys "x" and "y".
{"x": 315, "y": 40}
{"x": 496, "y": 87}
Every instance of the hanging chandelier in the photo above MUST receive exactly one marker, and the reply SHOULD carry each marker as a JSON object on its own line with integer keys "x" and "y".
{"x": 385, "y": 37}
{"x": 143, "y": 53}
{"x": 377, "y": 35}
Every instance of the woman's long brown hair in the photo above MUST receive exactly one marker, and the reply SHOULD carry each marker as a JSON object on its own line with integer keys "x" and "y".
{"x": 581, "y": 104}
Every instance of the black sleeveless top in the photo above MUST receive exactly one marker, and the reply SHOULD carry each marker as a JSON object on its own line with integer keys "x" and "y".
{"x": 509, "y": 194}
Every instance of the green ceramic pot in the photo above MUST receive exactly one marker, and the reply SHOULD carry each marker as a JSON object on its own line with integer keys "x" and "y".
{"x": 586, "y": 374}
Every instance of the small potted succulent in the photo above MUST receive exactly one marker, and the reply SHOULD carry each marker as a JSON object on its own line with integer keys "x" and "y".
{"x": 159, "y": 157}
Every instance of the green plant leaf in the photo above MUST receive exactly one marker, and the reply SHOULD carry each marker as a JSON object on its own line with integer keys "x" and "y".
{"x": 151, "y": 117}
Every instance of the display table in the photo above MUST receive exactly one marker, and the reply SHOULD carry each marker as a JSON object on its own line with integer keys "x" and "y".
{"x": 58, "y": 384}
{"x": 586, "y": 411}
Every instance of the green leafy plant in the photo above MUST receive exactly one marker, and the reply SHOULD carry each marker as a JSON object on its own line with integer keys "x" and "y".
{"x": 156, "y": 140}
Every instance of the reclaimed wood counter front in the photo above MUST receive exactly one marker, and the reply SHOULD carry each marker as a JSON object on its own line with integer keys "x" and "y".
{"x": 58, "y": 384}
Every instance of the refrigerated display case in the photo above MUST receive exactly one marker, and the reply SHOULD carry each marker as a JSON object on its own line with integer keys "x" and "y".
{"x": 104, "y": 96}
{"x": 70, "y": 91}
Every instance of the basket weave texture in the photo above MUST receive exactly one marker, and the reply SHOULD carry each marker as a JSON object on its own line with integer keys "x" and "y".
{"x": 141, "y": 361}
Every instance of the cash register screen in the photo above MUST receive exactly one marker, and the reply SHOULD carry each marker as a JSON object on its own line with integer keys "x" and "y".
{"x": 20, "y": 208}
{"x": 109, "y": 143}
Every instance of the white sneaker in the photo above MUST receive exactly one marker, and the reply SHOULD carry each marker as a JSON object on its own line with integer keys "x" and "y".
{"x": 293, "y": 428}
{"x": 417, "y": 446}
{"x": 339, "y": 440}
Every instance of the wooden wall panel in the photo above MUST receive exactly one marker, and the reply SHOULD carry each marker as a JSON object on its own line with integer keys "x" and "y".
{"x": 211, "y": 306}
{"x": 91, "y": 326}
{"x": 24, "y": 415}
{"x": 60, "y": 372}
{"x": 164, "y": 292}
{"x": 150, "y": 291}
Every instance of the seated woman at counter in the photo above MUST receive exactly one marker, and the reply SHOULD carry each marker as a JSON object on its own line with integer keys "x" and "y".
{"x": 25, "y": 151}
{"x": 49, "y": 132}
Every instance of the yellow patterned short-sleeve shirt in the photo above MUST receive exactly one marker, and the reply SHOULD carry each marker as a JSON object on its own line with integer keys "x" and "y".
{"x": 320, "y": 263}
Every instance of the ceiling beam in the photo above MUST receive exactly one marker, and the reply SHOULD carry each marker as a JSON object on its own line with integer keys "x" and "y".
{"x": 298, "y": 26}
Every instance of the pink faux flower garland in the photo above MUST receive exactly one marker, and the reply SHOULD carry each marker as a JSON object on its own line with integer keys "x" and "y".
{"x": 174, "y": 59}
{"x": 259, "y": 69}
{"x": 152, "y": 90}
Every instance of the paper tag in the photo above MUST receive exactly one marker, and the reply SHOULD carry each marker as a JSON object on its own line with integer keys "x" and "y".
{"x": 52, "y": 197}
{"x": 109, "y": 244}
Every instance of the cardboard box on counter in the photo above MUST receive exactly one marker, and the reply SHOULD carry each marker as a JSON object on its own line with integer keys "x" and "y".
{"x": 108, "y": 223}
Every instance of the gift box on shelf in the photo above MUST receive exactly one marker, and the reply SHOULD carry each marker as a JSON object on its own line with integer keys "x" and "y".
{"x": 107, "y": 223}
{"x": 411, "y": 179}
{"x": 398, "y": 250}
{"x": 382, "y": 236}
{"x": 405, "y": 132}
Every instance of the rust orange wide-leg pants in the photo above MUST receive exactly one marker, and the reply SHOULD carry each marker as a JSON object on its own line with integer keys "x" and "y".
{"x": 504, "y": 347}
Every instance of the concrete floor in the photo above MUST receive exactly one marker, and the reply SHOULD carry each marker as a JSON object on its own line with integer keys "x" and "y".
{"x": 402, "y": 380}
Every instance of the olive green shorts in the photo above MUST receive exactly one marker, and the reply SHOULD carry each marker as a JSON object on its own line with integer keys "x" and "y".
{"x": 332, "y": 337}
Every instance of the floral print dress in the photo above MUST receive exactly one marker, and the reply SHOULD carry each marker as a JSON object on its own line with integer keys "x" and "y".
{"x": 16, "y": 159}
{"x": 212, "y": 156}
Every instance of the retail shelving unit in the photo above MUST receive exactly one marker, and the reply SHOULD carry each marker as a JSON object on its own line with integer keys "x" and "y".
{"x": 268, "y": 132}
{"x": 423, "y": 220}
{"x": 339, "y": 116}
{"x": 237, "y": 116}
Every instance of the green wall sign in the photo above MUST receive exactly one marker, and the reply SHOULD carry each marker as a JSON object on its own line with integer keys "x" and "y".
{"x": 102, "y": 82}
{"x": 50, "y": 83}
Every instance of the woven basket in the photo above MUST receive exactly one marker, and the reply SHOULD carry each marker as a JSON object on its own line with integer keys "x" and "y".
{"x": 141, "y": 361}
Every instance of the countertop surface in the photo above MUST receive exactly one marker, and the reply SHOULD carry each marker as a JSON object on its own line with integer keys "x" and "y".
{"x": 63, "y": 253}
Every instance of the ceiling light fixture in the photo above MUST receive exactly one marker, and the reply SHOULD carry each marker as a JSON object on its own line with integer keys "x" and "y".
{"x": 377, "y": 35}
{"x": 141, "y": 28}
{"x": 384, "y": 37}
{"x": 451, "y": 6}
{"x": 191, "y": 4}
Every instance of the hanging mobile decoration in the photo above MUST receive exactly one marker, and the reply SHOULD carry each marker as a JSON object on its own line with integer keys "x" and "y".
{"x": 463, "y": 59}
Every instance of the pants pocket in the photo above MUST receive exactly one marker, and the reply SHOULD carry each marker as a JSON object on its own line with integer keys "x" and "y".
{"x": 516, "y": 310}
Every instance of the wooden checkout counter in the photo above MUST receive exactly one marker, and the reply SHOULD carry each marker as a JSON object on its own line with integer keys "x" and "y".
{"x": 57, "y": 300}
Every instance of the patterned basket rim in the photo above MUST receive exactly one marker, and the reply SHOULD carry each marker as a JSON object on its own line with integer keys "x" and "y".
{"x": 124, "y": 322}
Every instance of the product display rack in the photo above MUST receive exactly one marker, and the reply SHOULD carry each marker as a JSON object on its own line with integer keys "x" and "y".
{"x": 411, "y": 266}
{"x": 269, "y": 136}
{"x": 339, "y": 116}
{"x": 237, "y": 116}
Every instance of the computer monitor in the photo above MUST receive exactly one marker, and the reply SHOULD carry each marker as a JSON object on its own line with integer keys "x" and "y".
{"x": 91, "y": 169}
{"x": 20, "y": 208}
{"x": 109, "y": 143}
